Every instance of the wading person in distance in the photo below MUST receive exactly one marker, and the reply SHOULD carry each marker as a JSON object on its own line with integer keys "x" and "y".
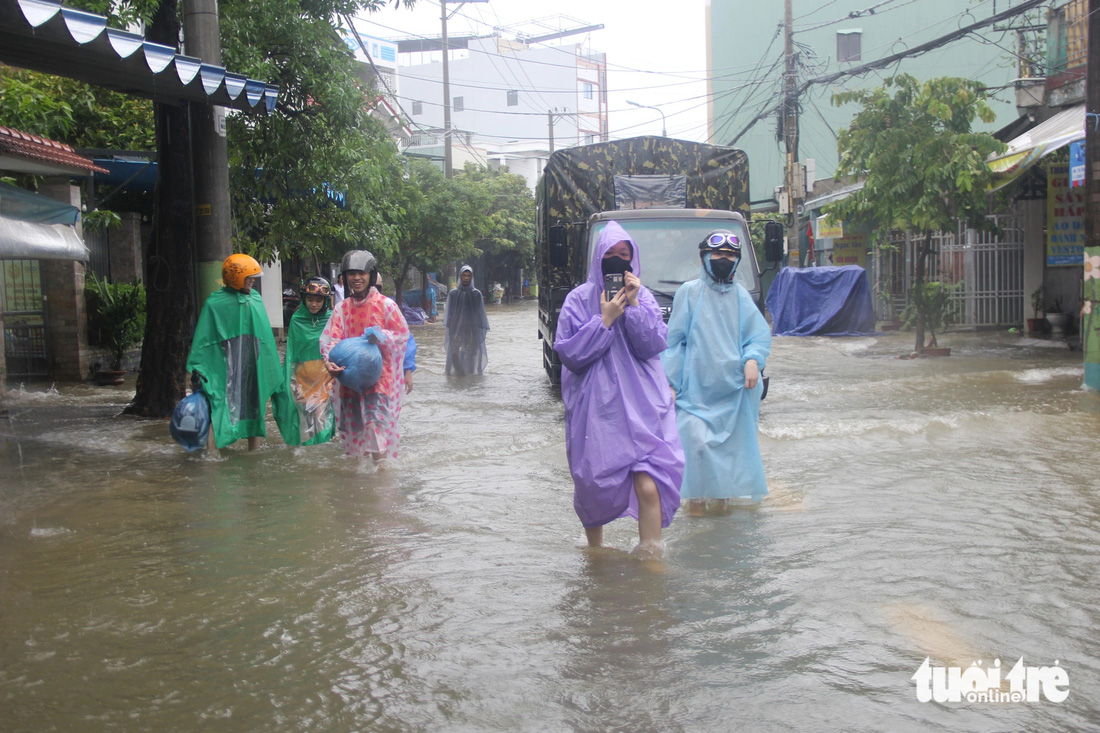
{"x": 367, "y": 422}
{"x": 233, "y": 357}
{"x": 718, "y": 342}
{"x": 620, "y": 423}
{"x": 466, "y": 323}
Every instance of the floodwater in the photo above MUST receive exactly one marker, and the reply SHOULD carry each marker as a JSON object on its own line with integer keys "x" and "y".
{"x": 932, "y": 508}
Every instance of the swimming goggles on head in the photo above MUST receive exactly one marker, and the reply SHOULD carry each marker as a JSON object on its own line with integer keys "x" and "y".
{"x": 722, "y": 240}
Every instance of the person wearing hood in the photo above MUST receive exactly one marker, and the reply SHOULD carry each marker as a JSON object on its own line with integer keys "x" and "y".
{"x": 466, "y": 323}
{"x": 624, "y": 452}
{"x": 233, "y": 357}
{"x": 718, "y": 343}
{"x": 367, "y": 422}
{"x": 311, "y": 421}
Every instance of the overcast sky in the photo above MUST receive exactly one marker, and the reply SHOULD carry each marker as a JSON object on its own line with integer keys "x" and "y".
{"x": 656, "y": 51}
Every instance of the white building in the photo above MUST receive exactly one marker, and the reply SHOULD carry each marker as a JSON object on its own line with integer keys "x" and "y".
{"x": 512, "y": 101}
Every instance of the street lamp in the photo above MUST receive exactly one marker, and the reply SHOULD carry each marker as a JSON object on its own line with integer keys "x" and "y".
{"x": 646, "y": 106}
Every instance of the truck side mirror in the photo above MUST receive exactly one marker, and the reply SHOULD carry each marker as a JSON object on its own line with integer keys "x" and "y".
{"x": 559, "y": 246}
{"x": 773, "y": 241}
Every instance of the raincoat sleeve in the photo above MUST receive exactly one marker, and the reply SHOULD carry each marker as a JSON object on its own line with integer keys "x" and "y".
{"x": 581, "y": 337}
{"x": 756, "y": 336}
{"x": 484, "y": 317}
{"x": 395, "y": 330}
{"x": 410, "y": 355}
{"x": 333, "y": 332}
{"x": 679, "y": 323}
{"x": 645, "y": 329}
{"x": 448, "y": 310}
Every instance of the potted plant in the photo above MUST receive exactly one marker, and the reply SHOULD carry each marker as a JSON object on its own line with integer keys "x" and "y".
{"x": 1036, "y": 324}
{"x": 116, "y": 320}
{"x": 1057, "y": 318}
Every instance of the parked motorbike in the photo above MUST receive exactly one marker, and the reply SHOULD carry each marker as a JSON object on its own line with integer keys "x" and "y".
{"x": 290, "y": 303}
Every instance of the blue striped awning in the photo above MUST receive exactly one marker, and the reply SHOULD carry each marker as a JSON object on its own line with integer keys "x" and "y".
{"x": 43, "y": 35}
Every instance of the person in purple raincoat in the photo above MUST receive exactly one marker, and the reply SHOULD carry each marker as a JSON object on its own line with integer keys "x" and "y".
{"x": 620, "y": 420}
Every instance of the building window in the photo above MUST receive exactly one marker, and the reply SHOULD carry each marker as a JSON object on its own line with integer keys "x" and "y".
{"x": 588, "y": 90}
{"x": 459, "y": 105}
{"x": 513, "y": 98}
{"x": 418, "y": 108}
{"x": 848, "y": 45}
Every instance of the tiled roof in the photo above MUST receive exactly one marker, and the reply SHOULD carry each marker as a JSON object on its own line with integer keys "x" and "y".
{"x": 24, "y": 145}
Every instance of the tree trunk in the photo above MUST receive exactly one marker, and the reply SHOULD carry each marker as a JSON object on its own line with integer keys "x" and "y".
{"x": 923, "y": 245}
{"x": 170, "y": 280}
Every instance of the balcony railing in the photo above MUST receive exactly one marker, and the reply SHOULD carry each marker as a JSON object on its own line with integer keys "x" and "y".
{"x": 1067, "y": 37}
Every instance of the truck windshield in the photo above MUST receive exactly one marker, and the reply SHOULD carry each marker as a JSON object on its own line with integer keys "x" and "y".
{"x": 670, "y": 250}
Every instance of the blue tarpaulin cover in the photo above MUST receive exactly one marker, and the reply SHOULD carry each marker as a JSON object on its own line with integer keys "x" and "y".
{"x": 821, "y": 301}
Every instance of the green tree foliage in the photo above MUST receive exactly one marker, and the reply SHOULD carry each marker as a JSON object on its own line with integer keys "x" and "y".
{"x": 73, "y": 112}
{"x": 437, "y": 220}
{"x": 922, "y": 164}
{"x": 310, "y": 178}
{"x": 508, "y": 224}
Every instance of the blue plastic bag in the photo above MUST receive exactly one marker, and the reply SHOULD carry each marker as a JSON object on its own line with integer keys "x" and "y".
{"x": 190, "y": 423}
{"x": 362, "y": 358}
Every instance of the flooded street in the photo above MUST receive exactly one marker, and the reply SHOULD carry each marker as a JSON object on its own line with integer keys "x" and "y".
{"x": 942, "y": 508}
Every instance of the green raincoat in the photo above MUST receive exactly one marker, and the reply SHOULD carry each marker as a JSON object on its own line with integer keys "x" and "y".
{"x": 310, "y": 419}
{"x": 234, "y": 351}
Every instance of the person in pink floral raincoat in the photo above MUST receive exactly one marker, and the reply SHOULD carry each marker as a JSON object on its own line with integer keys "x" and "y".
{"x": 367, "y": 422}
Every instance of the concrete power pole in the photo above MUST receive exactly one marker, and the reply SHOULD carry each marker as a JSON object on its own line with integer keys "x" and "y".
{"x": 448, "y": 165}
{"x": 1090, "y": 321}
{"x": 792, "y": 176}
{"x": 210, "y": 158}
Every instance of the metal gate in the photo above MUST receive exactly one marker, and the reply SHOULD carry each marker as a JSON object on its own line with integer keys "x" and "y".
{"x": 26, "y": 348}
{"x": 988, "y": 267}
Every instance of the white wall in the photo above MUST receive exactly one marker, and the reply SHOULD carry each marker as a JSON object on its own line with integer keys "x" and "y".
{"x": 544, "y": 78}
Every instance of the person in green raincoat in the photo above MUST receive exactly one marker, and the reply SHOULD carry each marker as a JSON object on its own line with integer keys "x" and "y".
{"x": 233, "y": 358}
{"x": 311, "y": 421}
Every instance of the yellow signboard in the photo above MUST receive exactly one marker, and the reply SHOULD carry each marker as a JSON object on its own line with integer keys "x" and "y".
{"x": 828, "y": 229}
{"x": 1065, "y": 218}
{"x": 850, "y": 250}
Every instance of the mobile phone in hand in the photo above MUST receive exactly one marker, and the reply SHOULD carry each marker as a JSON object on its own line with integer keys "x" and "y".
{"x": 612, "y": 284}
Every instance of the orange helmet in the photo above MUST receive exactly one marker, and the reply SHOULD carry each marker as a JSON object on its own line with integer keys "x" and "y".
{"x": 237, "y": 267}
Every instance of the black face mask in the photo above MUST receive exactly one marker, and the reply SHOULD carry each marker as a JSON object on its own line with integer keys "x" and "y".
{"x": 722, "y": 268}
{"x": 615, "y": 266}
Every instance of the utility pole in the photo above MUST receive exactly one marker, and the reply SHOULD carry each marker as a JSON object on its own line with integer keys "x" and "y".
{"x": 448, "y": 165}
{"x": 790, "y": 137}
{"x": 209, "y": 156}
{"x": 550, "y": 126}
{"x": 1090, "y": 321}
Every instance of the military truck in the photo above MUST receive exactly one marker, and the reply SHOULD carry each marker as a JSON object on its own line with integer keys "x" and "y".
{"x": 668, "y": 195}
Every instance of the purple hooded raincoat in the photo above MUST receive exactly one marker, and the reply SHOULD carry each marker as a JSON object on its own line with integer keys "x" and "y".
{"x": 619, "y": 413}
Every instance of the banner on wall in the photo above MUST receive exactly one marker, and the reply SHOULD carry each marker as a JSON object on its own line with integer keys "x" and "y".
{"x": 850, "y": 250}
{"x": 1077, "y": 163}
{"x": 1065, "y": 219}
{"x": 828, "y": 229}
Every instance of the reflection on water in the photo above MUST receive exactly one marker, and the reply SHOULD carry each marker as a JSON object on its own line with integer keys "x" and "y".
{"x": 941, "y": 508}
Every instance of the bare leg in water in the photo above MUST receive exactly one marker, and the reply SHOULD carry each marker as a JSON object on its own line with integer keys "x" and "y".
{"x": 649, "y": 517}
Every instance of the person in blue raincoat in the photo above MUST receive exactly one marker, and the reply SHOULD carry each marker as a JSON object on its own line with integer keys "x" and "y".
{"x": 620, "y": 422}
{"x": 718, "y": 343}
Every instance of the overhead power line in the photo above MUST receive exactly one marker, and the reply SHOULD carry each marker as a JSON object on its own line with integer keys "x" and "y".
{"x": 886, "y": 61}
